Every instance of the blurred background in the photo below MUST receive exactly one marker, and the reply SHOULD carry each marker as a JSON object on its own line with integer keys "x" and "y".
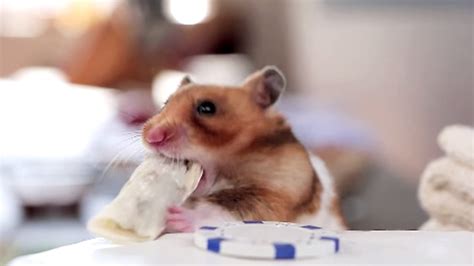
{"x": 371, "y": 83}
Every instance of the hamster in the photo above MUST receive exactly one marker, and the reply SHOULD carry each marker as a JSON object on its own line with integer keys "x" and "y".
{"x": 254, "y": 167}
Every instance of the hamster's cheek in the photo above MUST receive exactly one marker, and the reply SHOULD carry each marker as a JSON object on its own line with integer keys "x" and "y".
{"x": 196, "y": 153}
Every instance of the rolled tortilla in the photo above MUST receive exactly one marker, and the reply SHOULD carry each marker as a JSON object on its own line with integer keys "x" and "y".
{"x": 138, "y": 212}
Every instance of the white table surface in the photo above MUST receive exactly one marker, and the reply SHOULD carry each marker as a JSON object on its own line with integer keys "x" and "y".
{"x": 357, "y": 247}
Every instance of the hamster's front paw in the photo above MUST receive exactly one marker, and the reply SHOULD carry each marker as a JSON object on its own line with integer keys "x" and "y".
{"x": 180, "y": 220}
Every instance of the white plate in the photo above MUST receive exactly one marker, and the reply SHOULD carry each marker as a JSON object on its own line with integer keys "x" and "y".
{"x": 267, "y": 240}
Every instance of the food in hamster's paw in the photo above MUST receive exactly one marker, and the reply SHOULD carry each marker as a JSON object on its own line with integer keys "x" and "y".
{"x": 140, "y": 210}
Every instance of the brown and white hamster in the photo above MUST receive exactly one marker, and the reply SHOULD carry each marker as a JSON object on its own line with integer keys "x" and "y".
{"x": 254, "y": 167}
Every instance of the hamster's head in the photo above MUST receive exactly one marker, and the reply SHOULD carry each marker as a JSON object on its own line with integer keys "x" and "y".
{"x": 210, "y": 124}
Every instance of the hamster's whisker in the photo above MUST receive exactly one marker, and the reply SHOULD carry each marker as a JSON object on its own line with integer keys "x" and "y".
{"x": 123, "y": 156}
{"x": 133, "y": 154}
{"x": 133, "y": 133}
{"x": 127, "y": 141}
{"x": 111, "y": 164}
{"x": 128, "y": 115}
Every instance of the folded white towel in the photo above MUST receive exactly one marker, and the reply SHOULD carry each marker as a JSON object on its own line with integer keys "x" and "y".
{"x": 458, "y": 143}
{"x": 446, "y": 192}
{"x": 435, "y": 225}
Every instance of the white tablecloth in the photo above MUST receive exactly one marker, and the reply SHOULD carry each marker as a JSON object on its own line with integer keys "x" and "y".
{"x": 357, "y": 247}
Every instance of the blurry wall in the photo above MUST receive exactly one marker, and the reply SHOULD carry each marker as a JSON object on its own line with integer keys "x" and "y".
{"x": 265, "y": 30}
{"x": 403, "y": 67}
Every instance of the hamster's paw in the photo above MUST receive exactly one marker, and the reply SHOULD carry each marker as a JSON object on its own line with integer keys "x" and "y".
{"x": 180, "y": 220}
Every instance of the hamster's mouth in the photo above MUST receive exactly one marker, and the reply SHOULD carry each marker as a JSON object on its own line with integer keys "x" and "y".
{"x": 173, "y": 160}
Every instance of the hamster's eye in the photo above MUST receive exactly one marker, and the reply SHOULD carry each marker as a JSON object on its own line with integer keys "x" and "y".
{"x": 206, "y": 108}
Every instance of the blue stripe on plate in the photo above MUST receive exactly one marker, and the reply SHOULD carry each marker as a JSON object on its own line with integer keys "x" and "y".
{"x": 214, "y": 244}
{"x": 311, "y": 227}
{"x": 335, "y": 240}
{"x": 208, "y": 227}
{"x": 284, "y": 251}
{"x": 253, "y": 222}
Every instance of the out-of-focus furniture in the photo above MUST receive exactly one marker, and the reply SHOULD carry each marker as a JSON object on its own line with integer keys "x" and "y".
{"x": 46, "y": 165}
{"x": 137, "y": 41}
{"x": 44, "y": 155}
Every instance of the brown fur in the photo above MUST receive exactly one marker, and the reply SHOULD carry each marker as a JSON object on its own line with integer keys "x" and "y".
{"x": 253, "y": 149}
{"x": 254, "y": 203}
{"x": 311, "y": 202}
{"x": 278, "y": 137}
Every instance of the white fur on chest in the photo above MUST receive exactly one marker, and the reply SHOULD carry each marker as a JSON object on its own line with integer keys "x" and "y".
{"x": 325, "y": 216}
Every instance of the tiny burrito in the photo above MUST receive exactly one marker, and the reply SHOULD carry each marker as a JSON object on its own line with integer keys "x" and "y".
{"x": 138, "y": 212}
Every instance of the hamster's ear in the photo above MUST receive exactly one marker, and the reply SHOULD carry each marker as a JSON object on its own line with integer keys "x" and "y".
{"x": 266, "y": 85}
{"x": 185, "y": 81}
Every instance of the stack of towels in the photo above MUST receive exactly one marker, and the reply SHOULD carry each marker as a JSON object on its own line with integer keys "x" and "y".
{"x": 446, "y": 189}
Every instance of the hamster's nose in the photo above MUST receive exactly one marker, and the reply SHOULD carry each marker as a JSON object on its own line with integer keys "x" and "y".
{"x": 158, "y": 135}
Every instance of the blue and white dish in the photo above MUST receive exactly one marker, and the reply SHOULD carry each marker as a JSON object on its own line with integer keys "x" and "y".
{"x": 267, "y": 240}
